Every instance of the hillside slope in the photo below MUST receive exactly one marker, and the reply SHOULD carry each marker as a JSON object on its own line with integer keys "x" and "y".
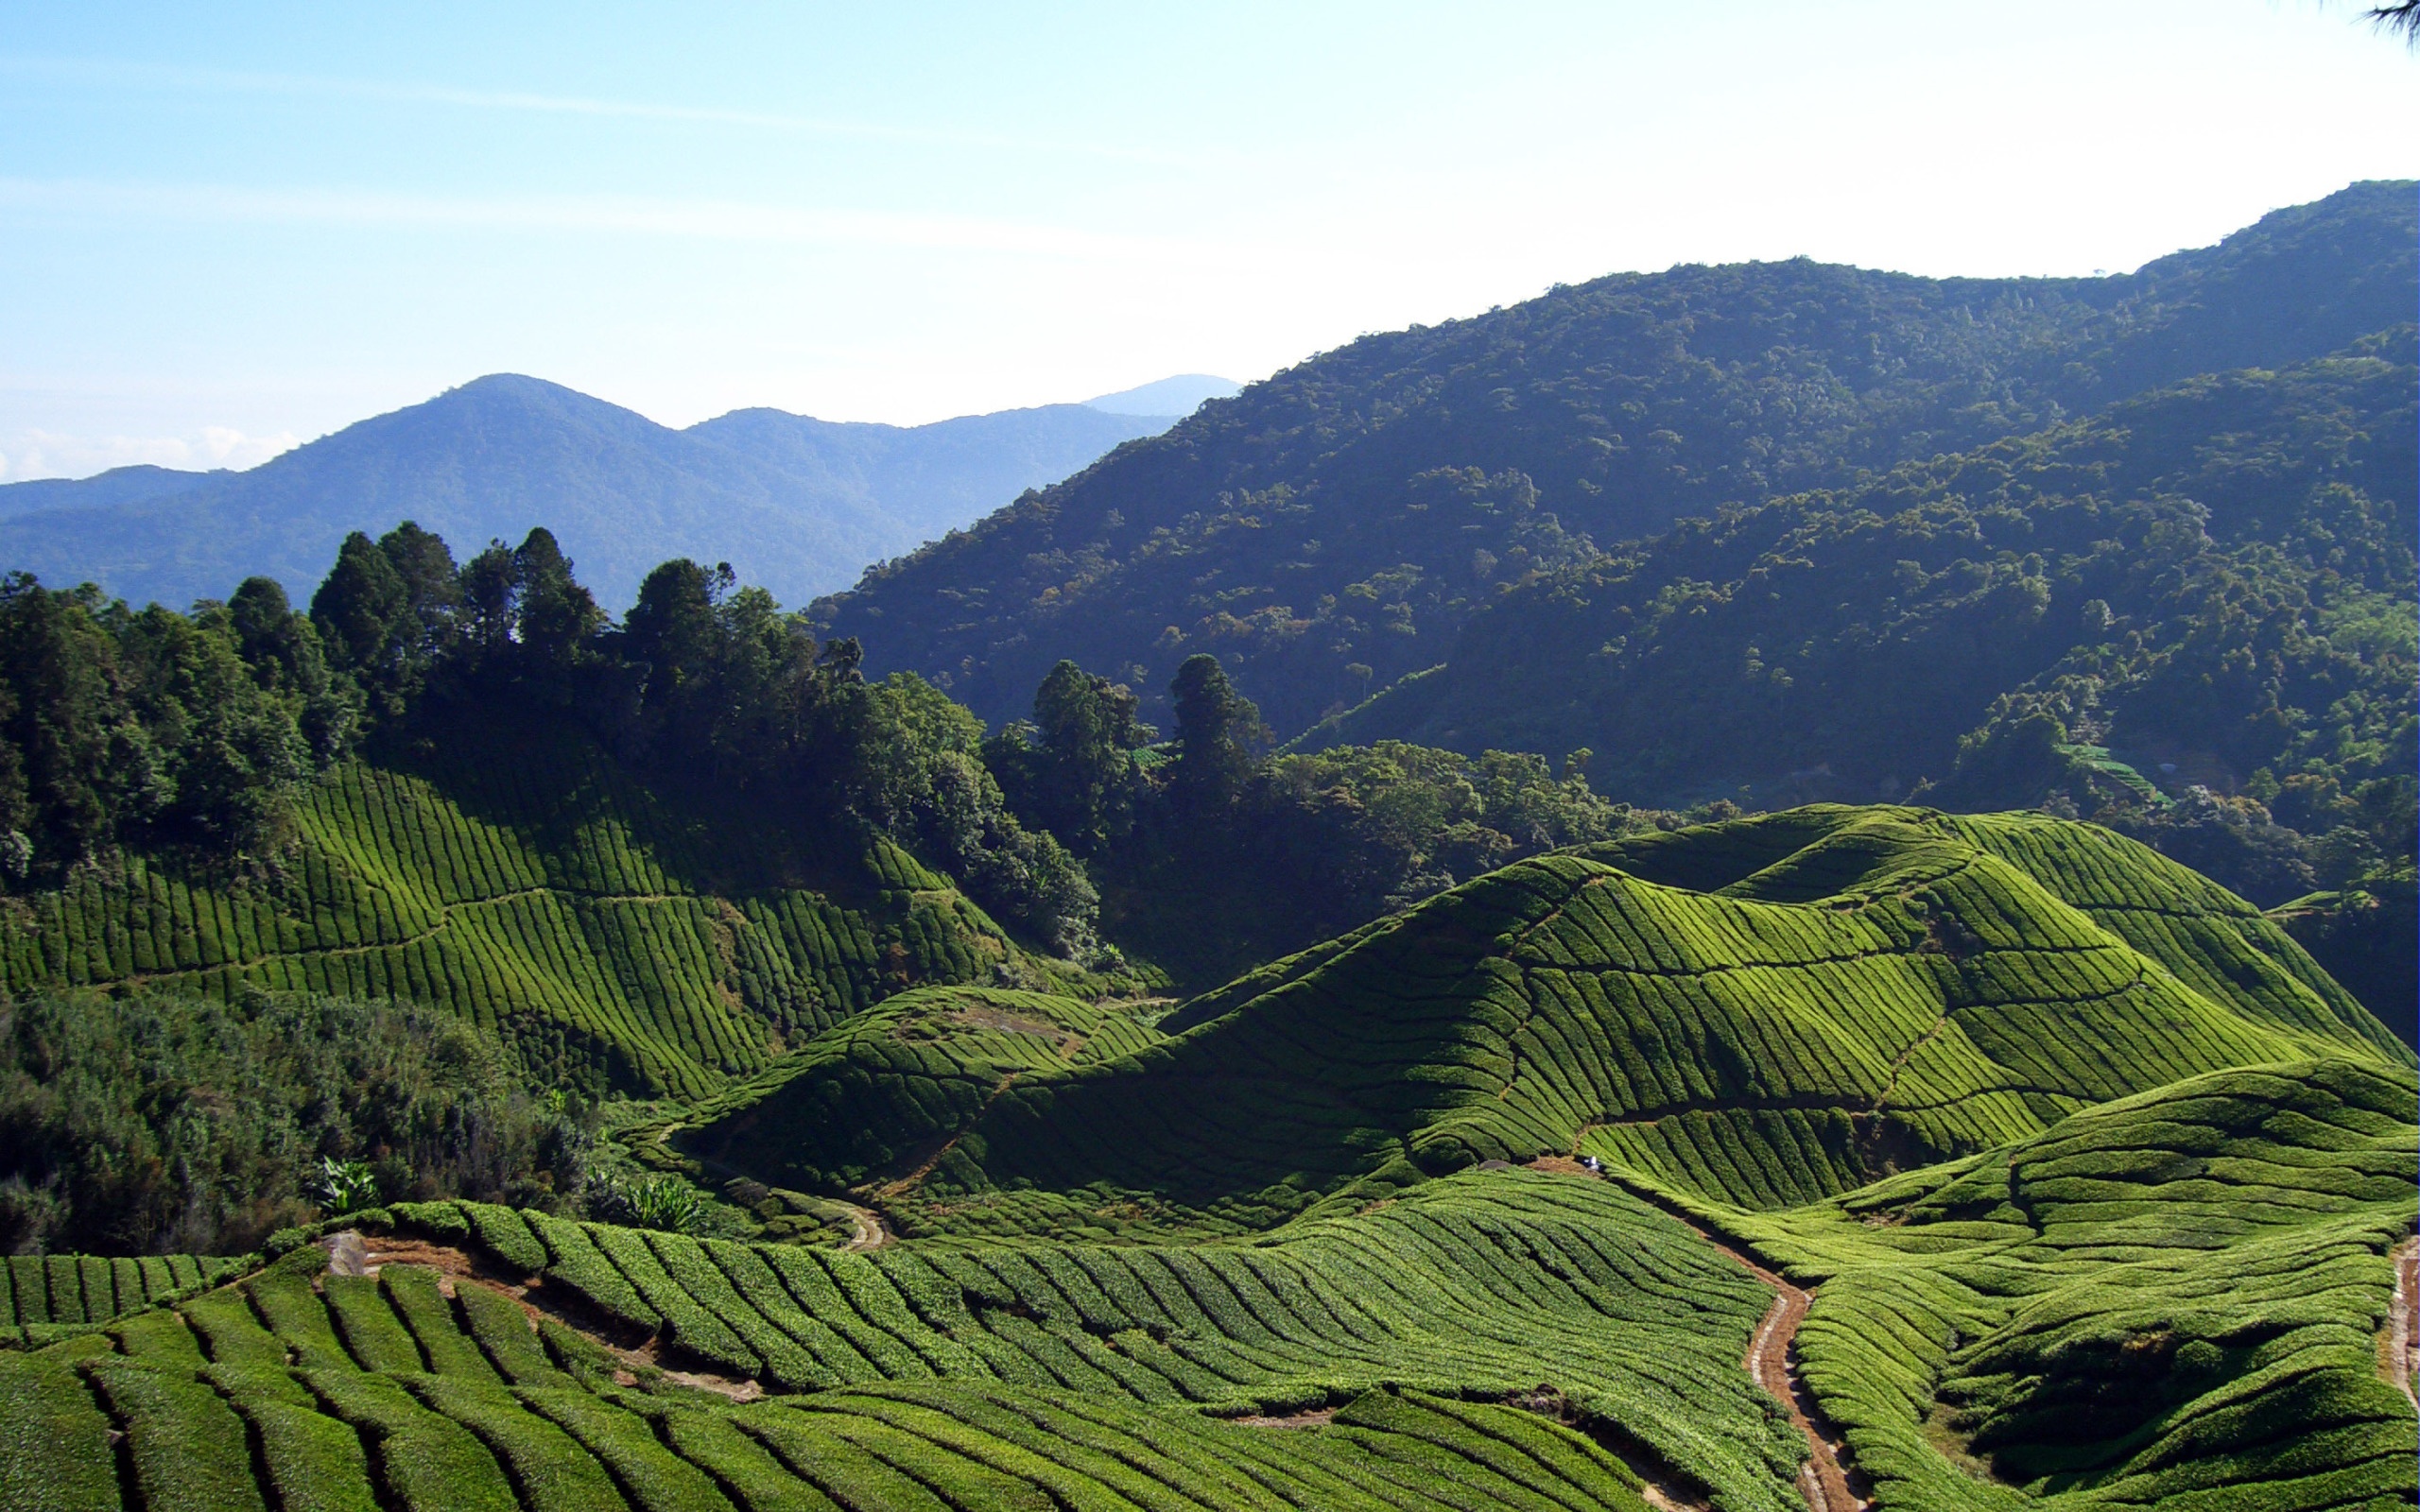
{"x": 2178, "y": 1299}
{"x": 2113, "y": 574}
{"x": 2172, "y": 1301}
{"x": 797, "y": 506}
{"x": 1765, "y": 1012}
{"x": 1351, "y": 513}
{"x": 2141, "y": 1236}
{"x": 609, "y": 936}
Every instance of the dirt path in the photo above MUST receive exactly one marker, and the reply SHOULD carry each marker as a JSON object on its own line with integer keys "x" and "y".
{"x": 871, "y": 1233}
{"x": 1770, "y": 1361}
{"x": 2399, "y": 1345}
{"x": 1821, "y": 1480}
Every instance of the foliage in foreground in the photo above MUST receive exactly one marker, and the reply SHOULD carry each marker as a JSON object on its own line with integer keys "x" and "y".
{"x": 163, "y": 1124}
{"x": 2165, "y": 1301}
{"x": 991, "y": 1379}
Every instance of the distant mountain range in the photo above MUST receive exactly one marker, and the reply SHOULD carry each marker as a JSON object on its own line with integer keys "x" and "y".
{"x": 797, "y": 505}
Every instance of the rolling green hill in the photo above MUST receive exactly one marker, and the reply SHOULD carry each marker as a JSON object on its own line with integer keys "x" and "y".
{"x": 2170, "y": 1300}
{"x": 1950, "y": 1164}
{"x": 1764, "y": 1012}
{"x": 1058, "y": 1377}
{"x": 610, "y": 936}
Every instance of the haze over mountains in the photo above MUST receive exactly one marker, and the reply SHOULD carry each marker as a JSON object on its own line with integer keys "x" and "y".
{"x": 797, "y": 505}
{"x": 1179, "y": 395}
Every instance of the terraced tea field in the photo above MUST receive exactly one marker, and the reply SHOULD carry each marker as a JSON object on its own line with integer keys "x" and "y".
{"x": 1058, "y": 1375}
{"x": 2174, "y": 1299}
{"x": 1763, "y": 1013}
{"x": 609, "y": 938}
{"x": 1948, "y": 1166}
{"x": 2177, "y": 1299}
{"x": 42, "y": 1296}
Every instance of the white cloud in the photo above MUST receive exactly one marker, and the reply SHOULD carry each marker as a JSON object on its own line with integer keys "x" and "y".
{"x": 36, "y": 454}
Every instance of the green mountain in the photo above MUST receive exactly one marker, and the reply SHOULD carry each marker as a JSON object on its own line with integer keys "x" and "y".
{"x": 2032, "y": 616}
{"x": 119, "y": 484}
{"x": 1331, "y": 529}
{"x": 796, "y": 504}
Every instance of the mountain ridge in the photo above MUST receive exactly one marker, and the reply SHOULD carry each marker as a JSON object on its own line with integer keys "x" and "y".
{"x": 798, "y": 505}
{"x": 1330, "y": 529}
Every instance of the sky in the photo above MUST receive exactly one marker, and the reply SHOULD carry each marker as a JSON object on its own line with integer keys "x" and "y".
{"x": 226, "y": 229}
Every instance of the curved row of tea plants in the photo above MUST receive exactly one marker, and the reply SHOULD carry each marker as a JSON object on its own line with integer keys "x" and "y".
{"x": 2174, "y": 1299}
{"x": 1765, "y": 1012}
{"x": 980, "y": 1379}
{"x": 608, "y": 938}
{"x": 44, "y": 1294}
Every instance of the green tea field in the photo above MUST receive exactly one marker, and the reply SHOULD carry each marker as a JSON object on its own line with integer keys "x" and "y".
{"x": 612, "y": 939}
{"x": 1840, "y": 1158}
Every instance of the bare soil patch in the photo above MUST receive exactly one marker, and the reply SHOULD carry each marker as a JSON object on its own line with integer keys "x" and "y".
{"x": 456, "y": 1267}
{"x": 2399, "y": 1342}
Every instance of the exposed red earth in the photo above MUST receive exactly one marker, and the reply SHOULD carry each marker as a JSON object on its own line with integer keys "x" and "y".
{"x": 1770, "y": 1361}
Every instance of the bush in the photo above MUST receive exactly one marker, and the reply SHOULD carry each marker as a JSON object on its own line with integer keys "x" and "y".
{"x": 165, "y": 1124}
{"x": 661, "y": 1202}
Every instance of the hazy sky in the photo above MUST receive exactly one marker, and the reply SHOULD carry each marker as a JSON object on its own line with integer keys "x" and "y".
{"x": 224, "y": 229}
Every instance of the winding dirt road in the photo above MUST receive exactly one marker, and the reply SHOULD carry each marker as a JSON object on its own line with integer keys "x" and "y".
{"x": 1822, "y": 1480}
{"x": 1771, "y": 1359}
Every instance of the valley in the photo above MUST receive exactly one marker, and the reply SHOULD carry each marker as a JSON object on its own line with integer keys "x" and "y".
{"x": 1744, "y": 890}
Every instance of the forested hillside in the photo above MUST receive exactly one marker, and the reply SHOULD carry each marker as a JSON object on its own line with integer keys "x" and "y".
{"x": 2211, "y": 585}
{"x": 1330, "y": 529}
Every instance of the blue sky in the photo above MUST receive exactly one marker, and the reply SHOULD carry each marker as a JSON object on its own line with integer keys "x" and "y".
{"x": 226, "y": 229}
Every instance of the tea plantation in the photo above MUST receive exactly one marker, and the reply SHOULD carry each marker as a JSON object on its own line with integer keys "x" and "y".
{"x": 2093, "y": 1178}
{"x": 1765, "y": 1013}
{"x": 2170, "y": 1300}
{"x": 611, "y": 939}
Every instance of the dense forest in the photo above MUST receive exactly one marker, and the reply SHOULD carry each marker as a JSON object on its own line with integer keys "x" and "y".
{"x": 1330, "y": 529}
{"x": 2189, "y": 616}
